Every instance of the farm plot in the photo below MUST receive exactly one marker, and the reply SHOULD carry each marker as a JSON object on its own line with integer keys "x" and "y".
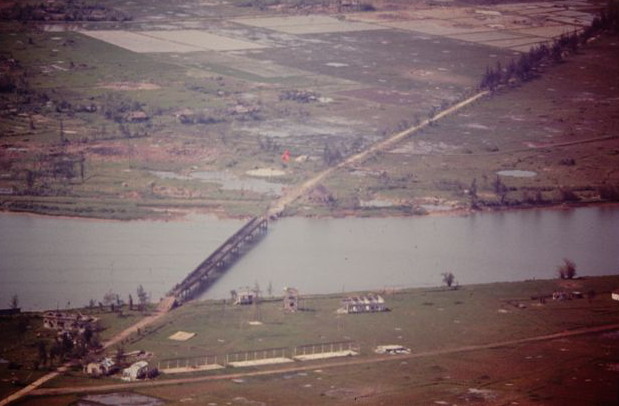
{"x": 265, "y": 69}
{"x": 386, "y": 58}
{"x": 180, "y": 41}
{"x": 307, "y": 24}
{"x": 515, "y": 27}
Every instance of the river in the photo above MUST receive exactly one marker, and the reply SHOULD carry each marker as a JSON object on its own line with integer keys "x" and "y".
{"x": 57, "y": 262}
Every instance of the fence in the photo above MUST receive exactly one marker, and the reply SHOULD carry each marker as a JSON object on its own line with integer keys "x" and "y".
{"x": 188, "y": 363}
{"x": 255, "y": 356}
{"x": 325, "y": 348}
{"x": 260, "y": 357}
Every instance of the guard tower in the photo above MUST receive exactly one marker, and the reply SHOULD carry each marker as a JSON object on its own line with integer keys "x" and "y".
{"x": 291, "y": 300}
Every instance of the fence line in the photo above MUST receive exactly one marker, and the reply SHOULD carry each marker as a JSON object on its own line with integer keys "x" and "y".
{"x": 257, "y": 355}
{"x": 193, "y": 362}
{"x": 321, "y": 348}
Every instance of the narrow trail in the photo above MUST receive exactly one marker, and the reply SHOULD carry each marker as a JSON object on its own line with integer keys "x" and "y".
{"x": 326, "y": 364}
{"x": 294, "y": 193}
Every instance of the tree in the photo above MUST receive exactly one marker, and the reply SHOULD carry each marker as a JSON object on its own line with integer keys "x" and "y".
{"x": 500, "y": 189}
{"x": 42, "y": 350}
{"x": 119, "y": 356}
{"x": 66, "y": 345}
{"x": 473, "y": 194}
{"x": 109, "y": 299}
{"x": 130, "y": 302}
{"x": 55, "y": 352}
{"x": 567, "y": 270}
{"x": 142, "y": 297}
{"x": 15, "y": 302}
{"x": 448, "y": 278}
{"x": 88, "y": 335}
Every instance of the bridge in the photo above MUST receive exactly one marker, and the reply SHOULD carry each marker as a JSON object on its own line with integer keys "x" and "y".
{"x": 216, "y": 264}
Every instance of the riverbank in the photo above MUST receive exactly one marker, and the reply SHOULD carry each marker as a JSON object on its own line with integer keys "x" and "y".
{"x": 436, "y": 323}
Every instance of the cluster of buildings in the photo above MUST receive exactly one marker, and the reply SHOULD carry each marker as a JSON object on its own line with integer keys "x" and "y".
{"x": 74, "y": 325}
{"x": 369, "y": 303}
{"x": 68, "y": 321}
{"x": 107, "y": 366}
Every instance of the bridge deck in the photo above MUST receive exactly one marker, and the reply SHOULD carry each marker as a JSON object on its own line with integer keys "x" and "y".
{"x": 222, "y": 256}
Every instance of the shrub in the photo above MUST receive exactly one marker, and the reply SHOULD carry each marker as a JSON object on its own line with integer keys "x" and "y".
{"x": 567, "y": 270}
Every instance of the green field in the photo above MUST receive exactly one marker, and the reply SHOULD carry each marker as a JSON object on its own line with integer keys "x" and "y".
{"x": 437, "y": 324}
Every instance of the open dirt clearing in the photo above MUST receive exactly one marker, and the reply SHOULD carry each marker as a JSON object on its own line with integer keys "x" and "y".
{"x": 300, "y": 25}
{"x": 178, "y": 41}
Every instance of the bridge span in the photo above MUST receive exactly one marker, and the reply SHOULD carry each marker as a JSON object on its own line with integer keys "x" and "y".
{"x": 216, "y": 264}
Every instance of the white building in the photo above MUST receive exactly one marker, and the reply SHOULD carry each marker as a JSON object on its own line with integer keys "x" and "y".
{"x": 363, "y": 304}
{"x": 136, "y": 371}
{"x": 104, "y": 367}
{"x": 245, "y": 296}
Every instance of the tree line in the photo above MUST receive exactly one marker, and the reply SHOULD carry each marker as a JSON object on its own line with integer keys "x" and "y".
{"x": 71, "y": 10}
{"x": 526, "y": 66}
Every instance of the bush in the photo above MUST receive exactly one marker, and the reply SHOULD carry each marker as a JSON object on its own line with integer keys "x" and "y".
{"x": 567, "y": 270}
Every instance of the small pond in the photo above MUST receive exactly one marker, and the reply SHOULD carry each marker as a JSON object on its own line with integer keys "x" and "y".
{"x": 228, "y": 181}
{"x": 119, "y": 399}
{"x": 517, "y": 173}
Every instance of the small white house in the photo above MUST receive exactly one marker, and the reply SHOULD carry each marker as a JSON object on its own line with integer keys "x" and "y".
{"x": 104, "y": 367}
{"x": 244, "y": 296}
{"x": 136, "y": 371}
{"x": 394, "y": 349}
{"x": 615, "y": 294}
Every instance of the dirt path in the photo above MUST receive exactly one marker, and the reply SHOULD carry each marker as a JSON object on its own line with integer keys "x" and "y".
{"x": 293, "y": 194}
{"x": 323, "y": 365}
{"x": 162, "y": 309}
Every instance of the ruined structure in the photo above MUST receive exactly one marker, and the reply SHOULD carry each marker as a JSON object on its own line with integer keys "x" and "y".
{"x": 101, "y": 368}
{"x": 137, "y": 370}
{"x": 370, "y": 303}
{"x": 65, "y": 321}
{"x": 291, "y": 299}
{"x": 244, "y": 296}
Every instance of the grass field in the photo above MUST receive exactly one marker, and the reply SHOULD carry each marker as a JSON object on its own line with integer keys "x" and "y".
{"x": 434, "y": 323}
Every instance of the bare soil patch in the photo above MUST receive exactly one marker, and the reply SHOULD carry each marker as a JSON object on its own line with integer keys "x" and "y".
{"x": 129, "y": 86}
{"x": 313, "y": 24}
{"x": 266, "y": 172}
{"x": 177, "y": 41}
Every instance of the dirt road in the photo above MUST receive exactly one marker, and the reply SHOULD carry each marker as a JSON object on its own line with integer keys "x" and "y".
{"x": 293, "y": 194}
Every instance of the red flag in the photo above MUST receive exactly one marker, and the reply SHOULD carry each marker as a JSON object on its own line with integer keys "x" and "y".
{"x": 286, "y": 156}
